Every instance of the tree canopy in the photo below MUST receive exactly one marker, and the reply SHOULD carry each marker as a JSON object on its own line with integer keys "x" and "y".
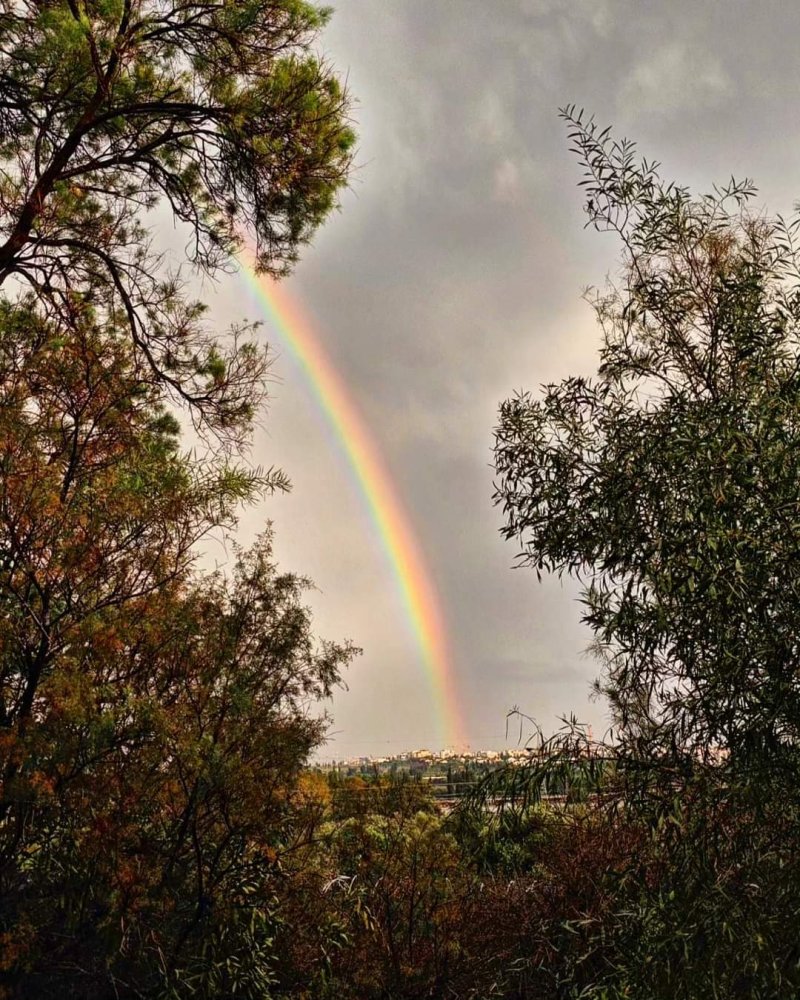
{"x": 667, "y": 484}
{"x": 154, "y": 718}
{"x": 144, "y": 704}
{"x": 217, "y": 113}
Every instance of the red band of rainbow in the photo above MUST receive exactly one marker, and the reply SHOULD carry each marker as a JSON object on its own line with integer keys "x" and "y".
{"x": 416, "y": 589}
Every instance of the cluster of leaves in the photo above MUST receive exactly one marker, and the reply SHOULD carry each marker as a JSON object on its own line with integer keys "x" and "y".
{"x": 553, "y": 881}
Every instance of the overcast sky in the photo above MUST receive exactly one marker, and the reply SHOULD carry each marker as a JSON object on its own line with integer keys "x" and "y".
{"x": 453, "y": 276}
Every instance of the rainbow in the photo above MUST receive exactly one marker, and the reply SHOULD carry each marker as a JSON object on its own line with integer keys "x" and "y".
{"x": 416, "y": 590}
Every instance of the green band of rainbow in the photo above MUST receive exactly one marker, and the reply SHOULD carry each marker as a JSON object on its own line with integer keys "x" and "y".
{"x": 416, "y": 589}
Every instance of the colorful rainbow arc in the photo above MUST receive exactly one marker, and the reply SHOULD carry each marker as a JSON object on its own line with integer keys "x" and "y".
{"x": 417, "y": 592}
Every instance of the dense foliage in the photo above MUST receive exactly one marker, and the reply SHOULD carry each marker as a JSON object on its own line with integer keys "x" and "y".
{"x": 154, "y": 719}
{"x": 160, "y": 833}
{"x": 668, "y": 485}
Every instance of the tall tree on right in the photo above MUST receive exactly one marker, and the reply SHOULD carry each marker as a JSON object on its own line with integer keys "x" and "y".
{"x": 669, "y": 486}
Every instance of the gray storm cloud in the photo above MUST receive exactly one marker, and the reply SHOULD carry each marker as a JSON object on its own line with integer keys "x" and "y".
{"x": 453, "y": 276}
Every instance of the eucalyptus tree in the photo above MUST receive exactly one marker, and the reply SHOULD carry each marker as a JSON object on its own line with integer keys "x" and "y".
{"x": 669, "y": 485}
